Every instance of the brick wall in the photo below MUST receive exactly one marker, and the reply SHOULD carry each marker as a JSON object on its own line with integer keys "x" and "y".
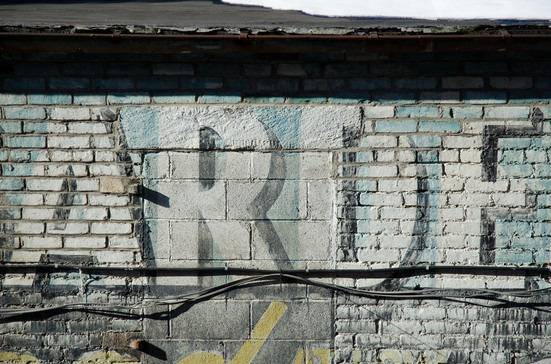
{"x": 285, "y": 161}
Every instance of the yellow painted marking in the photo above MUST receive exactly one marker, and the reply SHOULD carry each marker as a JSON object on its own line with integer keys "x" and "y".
{"x": 304, "y": 357}
{"x": 251, "y": 347}
{"x": 260, "y": 333}
{"x": 109, "y": 357}
{"x": 14, "y": 358}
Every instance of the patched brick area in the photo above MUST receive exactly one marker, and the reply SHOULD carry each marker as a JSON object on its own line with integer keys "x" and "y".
{"x": 275, "y": 162}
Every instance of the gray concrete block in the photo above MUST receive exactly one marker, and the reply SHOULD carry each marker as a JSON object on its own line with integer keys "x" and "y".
{"x": 184, "y": 200}
{"x": 224, "y": 240}
{"x": 320, "y": 200}
{"x": 300, "y": 240}
{"x": 274, "y": 199}
{"x": 212, "y": 320}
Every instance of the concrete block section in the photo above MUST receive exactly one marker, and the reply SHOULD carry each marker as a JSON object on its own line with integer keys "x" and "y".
{"x": 210, "y": 165}
{"x": 213, "y": 320}
{"x": 272, "y": 199}
{"x": 320, "y": 200}
{"x": 300, "y": 321}
{"x": 292, "y": 240}
{"x": 184, "y": 200}
{"x": 220, "y": 240}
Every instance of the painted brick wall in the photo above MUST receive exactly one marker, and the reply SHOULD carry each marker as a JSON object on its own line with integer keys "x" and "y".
{"x": 286, "y": 161}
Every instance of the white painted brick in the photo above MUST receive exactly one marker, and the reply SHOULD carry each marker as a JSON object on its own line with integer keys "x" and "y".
{"x": 85, "y": 242}
{"x": 397, "y": 185}
{"x": 460, "y": 227}
{"x": 507, "y": 112}
{"x": 407, "y": 156}
{"x": 463, "y": 170}
{"x": 462, "y": 142}
{"x": 378, "y": 111}
{"x": 87, "y": 184}
{"x": 123, "y": 242}
{"x": 121, "y": 214}
{"x": 378, "y": 227}
{"x": 107, "y": 170}
{"x": 76, "y": 170}
{"x": 88, "y": 213}
{"x": 108, "y": 200}
{"x": 396, "y": 242}
{"x": 381, "y": 199}
{"x": 61, "y": 199}
{"x": 36, "y": 242}
{"x": 25, "y": 227}
{"x": 25, "y": 256}
{"x": 402, "y": 213}
{"x": 72, "y": 156}
{"x": 38, "y": 214}
{"x": 452, "y": 184}
{"x": 378, "y": 256}
{"x": 377, "y": 171}
{"x": 50, "y": 184}
{"x": 379, "y": 141}
{"x": 75, "y": 113}
{"x": 67, "y": 228}
{"x": 452, "y": 242}
{"x": 385, "y": 155}
{"x": 27, "y": 199}
{"x": 509, "y": 199}
{"x": 68, "y": 141}
{"x": 105, "y": 156}
{"x": 469, "y": 199}
{"x": 89, "y": 128}
{"x": 461, "y": 256}
{"x": 452, "y": 213}
{"x": 470, "y": 155}
{"x": 111, "y": 228}
{"x": 475, "y": 185}
{"x": 106, "y": 142}
{"x": 115, "y": 257}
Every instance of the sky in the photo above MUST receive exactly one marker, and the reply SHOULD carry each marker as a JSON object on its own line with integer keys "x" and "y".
{"x": 421, "y": 9}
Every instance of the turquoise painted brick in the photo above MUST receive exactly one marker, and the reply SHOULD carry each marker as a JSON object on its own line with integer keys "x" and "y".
{"x": 24, "y": 83}
{"x": 21, "y": 155}
{"x": 307, "y": 99}
{"x": 485, "y": 68}
{"x": 366, "y": 185}
{"x": 69, "y": 83}
{"x": 127, "y": 69}
{"x": 11, "y": 184}
{"x": 257, "y": 70}
{"x": 89, "y": 99}
{"x": 441, "y": 97}
{"x": 417, "y": 112}
{"x": 469, "y": 112}
{"x": 157, "y": 83}
{"x": 516, "y": 257}
{"x": 421, "y": 141}
{"x": 129, "y": 98}
{"x": 117, "y": 83}
{"x": 542, "y": 170}
{"x": 405, "y": 126}
{"x": 427, "y": 156}
{"x": 34, "y": 141}
{"x": 507, "y": 112}
{"x": 389, "y": 68}
{"x": 12, "y": 99}
{"x": 364, "y": 157}
{"x": 10, "y": 127}
{"x": 44, "y": 127}
{"x": 416, "y": 83}
{"x": 516, "y": 171}
{"x": 209, "y": 83}
{"x": 277, "y": 85}
{"x": 431, "y": 171}
{"x": 439, "y": 127}
{"x": 218, "y": 69}
{"x": 26, "y": 113}
{"x": 482, "y": 97}
{"x": 4, "y": 155}
{"x": 94, "y": 69}
{"x": 529, "y": 97}
{"x": 321, "y": 84}
{"x": 264, "y": 99}
{"x": 237, "y": 83}
{"x": 514, "y": 143}
{"x": 379, "y": 83}
{"x": 393, "y": 98}
{"x": 22, "y": 170}
{"x": 345, "y": 69}
{"x": 174, "y": 98}
{"x": 173, "y": 69}
{"x": 350, "y": 98}
{"x": 217, "y": 99}
{"x": 38, "y": 69}
{"x": 50, "y": 99}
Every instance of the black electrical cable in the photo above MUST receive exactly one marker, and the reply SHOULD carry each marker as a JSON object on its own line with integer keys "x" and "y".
{"x": 278, "y": 278}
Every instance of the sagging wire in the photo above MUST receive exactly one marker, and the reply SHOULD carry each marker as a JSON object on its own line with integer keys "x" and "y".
{"x": 194, "y": 297}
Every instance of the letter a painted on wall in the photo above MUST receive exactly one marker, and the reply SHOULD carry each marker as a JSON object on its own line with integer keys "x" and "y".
{"x": 248, "y": 351}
